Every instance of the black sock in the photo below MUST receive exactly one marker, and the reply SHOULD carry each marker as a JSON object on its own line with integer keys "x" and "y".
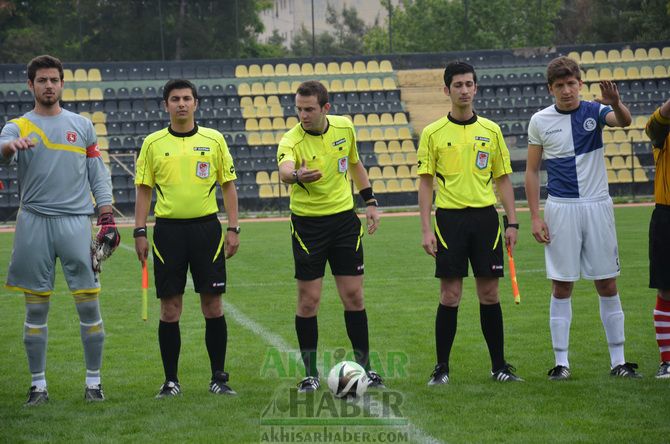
{"x": 491, "y": 320}
{"x": 446, "y": 321}
{"x": 169, "y": 340}
{"x": 308, "y": 337}
{"x": 357, "y": 330}
{"x": 216, "y": 340}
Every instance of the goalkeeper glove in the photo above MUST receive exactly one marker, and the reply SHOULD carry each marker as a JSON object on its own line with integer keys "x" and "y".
{"x": 105, "y": 242}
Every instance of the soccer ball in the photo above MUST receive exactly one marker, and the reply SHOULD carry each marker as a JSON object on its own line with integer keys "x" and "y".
{"x": 347, "y": 378}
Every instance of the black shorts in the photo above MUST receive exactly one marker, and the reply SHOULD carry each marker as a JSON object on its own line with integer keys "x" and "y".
{"x": 183, "y": 243}
{"x": 468, "y": 234}
{"x": 659, "y": 248}
{"x": 336, "y": 238}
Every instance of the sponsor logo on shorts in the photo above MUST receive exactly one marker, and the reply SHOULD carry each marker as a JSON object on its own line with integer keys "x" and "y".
{"x": 360, "y": 267}
{"x": 496, "y": 267}
{"x": 71, "y": 136}
{"x": 590, "y": 124}
{"x": 483, "y": 139}
{"x": 200, "y": 148}
{"x": 202, "y": 170}
{"x": 339, "y": 142}
{"x": 482, "y": 159}
{"x": 218, "y": 284}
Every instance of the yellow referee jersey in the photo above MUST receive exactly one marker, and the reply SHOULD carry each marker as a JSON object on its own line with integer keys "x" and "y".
{"x": 331, "y": 153}
{"x": 657, "y": 130}
{"x": 465, "y": 157}
{"x": 184, "y": 168}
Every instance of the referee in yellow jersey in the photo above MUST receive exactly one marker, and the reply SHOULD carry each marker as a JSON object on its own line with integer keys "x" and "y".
{"x": 184, "y": 162}
{"x": 316, "y": 157}
{"x": 464, "y": 154}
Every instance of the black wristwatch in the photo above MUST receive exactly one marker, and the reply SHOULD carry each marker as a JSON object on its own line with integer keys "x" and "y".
{"x": 140, "y": 232}
{"x": 234, "y": 229}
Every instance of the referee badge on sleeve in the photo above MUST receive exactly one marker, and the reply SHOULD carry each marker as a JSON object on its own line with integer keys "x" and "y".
{"x": 202, "y": 170}
{"x": 482, "y": 159}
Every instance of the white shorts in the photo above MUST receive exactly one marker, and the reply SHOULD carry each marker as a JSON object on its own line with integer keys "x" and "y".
{"x": 583, "y": 239}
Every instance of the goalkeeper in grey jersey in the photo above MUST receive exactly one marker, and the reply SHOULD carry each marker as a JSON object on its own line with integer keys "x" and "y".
{"x": 59, "y": 166}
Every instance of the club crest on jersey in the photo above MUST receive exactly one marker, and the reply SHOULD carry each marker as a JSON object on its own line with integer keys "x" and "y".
{"x": 482, "y": 159}
{"x": 202, "y": 170}
{"x": 590, "y": 124}
{"x": 71, "y": 136}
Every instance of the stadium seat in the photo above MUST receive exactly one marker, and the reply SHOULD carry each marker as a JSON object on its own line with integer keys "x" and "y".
{"x": 384, "y": 160}
{"x": 393, "y": 146}
{"x": 68, "y": 75}
{"x": 632, "y": 73}
{"x": 293, "y": 69}
{"x": 393, "y": 186}
{"x": 378, "y": 187}
{"x": 359, "y": 120}
{"x": 404, "y": 133}
{"x": 385, "y": 66}
{"x": 613, "y": 56}
{"x": 389, "y": 83}
{"x": 268, "y": 70}
{"x": 640, "y": 176}
{"x": 646, "y": 72}
{"x": 654, "y": 54}
{"x": 611, "y": 149}
{"x": 372, "y": 66}
{"x": 243, "y": 89}
{"x": 94, "y": 75}
{"x": 307, "y": 69}
{"x": 619, "y": 73}
{"x": 82, "y": 94}
{"x": 281, "y": 70}
{"x": 241, "y": 71}
{"x": 660, "y": 72}
{"x": 407, "y": 146}
{"x": 320, "y": 69}
{"x": 665, "y": 53}
{"x": 346, "y": 68}
{"x": 632, "y": 162}
{"x": 68, "y": 95}
{"x": 624, "y": 176}
{"x": 591, "y": 75}
{"x": 257, "y": 88}
{"x": 333, "y": 68}
{"x": 600, "y": 56}
{"x": 586, "y": 58}
{"x": 359, "y": 67}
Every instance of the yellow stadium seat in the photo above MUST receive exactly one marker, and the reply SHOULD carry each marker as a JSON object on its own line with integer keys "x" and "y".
{"x": 646, "y": 72}
{"x": 619, "y": 73}
{"x": 265, "y": 124}
{"x": 627, "y": 55}
{"x": 268, "y": 70}
{"x": 617, "y": 162}
{"x": 376, "y": 84}
{"x": 281, "y": 70}
{"x": 619, "y": 136}
{"x": 385, "y": 66}
{"x": 636, "y": 136}
{"x": 105, "y": 157}
{"x": 632, "y": 161}
{"x": 241, "y": 71}
{"x": 377, "y": 134}
{"x": 393, "y": 186}
{"x": 608, "y": 164}
{"x": 99, "y": 117}
{"x": 94, "y": 75}
{"x": 86, "y": 114}
{"x": 398, "y": 158}
{"x": 592, "y": 75}
{"x": 632, "y": 73}
{"x": 654, "y": 54}
{"x": 103, "y": 143}
{"x": 363, "y": 134}
{"x": 68, "y": 95}
{"x": 100, "y": 129}
{"x": 372, "y": 66}
{"x": 254, "y": 139}
{"x": 255, "y": 70}
{"x": 270, "y": 88}
{"x": 278, "y": 137}
{"x": 380, "y": 147}
{"x": 613, "y": 56}
{"x": 624, "y": 176}
{"x": 402, "y": 172}
{"x": 268, "y": 138}
{"x": 346, "y": 68}
{"x": 640, "y": 176}
{"x": 272, "y": 100}
{"x": 82, "y": 94}
{"x": 347, "y": 116}
{"x": 262, "y": 178}
{"x": 257, "y": 88}
{"x": 363, "y": 85}
{"x": 359, "y": 120}
{"x": 373, "y": 120}
{"x": 389, "y": 84}
{"x": 378, "y": 187}
{"x": 394, "y": 146}
{"x": 404, "y": 133}
{"x": 333, "y": 68}
{"x": 291, "y": 121}
{"x": 660, "y": 72}
{"x": 390, "y": 134}
{"x": 80, "y": 75}
{"x": 574, "y": 55}
{"x": 374, "y": 173}
{"x": 640, "y": 122}
{"x": 259, "y": 101}
{"x": 276, "y": 111}
{"x": 586, "y": 57}
{"x": 359, "y": 67}
{"x": 626, "y": 148}
{"x": 262, "y": 111}
{"x": 408, "y": 146}
{"x": 336, "y": 85}
{"x": 295, "y": 85}
{"x": 243, "y": 89}
{"x": 251, "y": 125}
{"x": 96, "y": 94}
{"x": 320, "y": 69}
{"x": 612, "y": 149}
{"x": 265, "y": 191}
{"x": 278, "y": 123}
{"x": 349, "y": 85}
{"x": 384, "y": 159}
{"x": 612, "y": 177}
{"x": 388, "y": 172}
{"x": 293, "y": 69}
{"x": 246, "y": 101}
{"x": 607, "y": 137}
{"x": 641, "y": 54}
{"x": 413, "y": 171}
{"x": 600, "y": 56}
{"x": 400, "y": 119}
{"x": 386, "y": 119}
{"x": 284, "y": 87}
{"x": 68, "y": 75}
{"x": 665, "y": 54}
{"x": 408, "y": 185}
{"x": 307, "y": 69}
{"x": 249, "y": 112}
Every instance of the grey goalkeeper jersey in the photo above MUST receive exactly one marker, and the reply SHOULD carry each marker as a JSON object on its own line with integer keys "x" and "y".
{"x": 58, "y": 175}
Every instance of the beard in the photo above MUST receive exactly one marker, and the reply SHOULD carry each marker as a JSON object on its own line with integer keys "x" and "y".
{"x": 48, "y": 100}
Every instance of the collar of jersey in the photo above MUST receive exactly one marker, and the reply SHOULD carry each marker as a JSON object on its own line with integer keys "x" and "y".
{"x": 560, "y": 111}
{"x": 470, "y": 121}
{"x": 193, "y": 132}
{"x": 312, "y": 133}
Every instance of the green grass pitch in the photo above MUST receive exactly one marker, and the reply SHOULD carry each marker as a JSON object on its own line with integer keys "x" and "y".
{"x": 401, "y": 299}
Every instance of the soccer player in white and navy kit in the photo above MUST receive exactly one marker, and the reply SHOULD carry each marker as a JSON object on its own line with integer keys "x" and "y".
{"x": 59, "y": 167}
{"x": 578, "y": 228}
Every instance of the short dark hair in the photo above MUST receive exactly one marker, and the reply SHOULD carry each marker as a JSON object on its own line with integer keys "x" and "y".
{"x": 562, "y": 67}
{"x": 456, "y": 68}
{"x": 314, "y": 88}
{"x": 42, "y": 62}
{"x": 179, "y": 84}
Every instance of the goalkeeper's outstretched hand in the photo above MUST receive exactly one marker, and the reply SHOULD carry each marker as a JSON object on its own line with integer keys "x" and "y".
{"x": 105, "y": 242}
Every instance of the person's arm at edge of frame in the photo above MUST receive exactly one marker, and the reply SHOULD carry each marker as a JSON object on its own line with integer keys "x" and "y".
{"x": 362, "y": 182}
{"x": 429, "y": 242}
{"x": 658, "y": 125}
{"x": 232, "y": 240}
{"x": 142, "y": 205}
{"x": 506, "y": 193}
{"x": 539, "y": 228}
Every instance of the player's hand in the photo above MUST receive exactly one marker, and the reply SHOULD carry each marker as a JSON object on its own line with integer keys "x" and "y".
{"x": 540, "y": 231}
{"x": 511, "y": 238}
{"x": 429, "y": 243}
{"x": 24, "y": 143}
{"x": 609, "y": 93}
{"x": 232, "y": 243}
{"x": 372, "y": 218}
{"x": 142, "y": 248}
{"x": 306, "y": 175}
{"x": 108, "y": 233}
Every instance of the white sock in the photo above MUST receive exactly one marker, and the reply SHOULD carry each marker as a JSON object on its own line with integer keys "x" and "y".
{"x": 92, "y": 378}
{"x": 39, "y": 381}
{"x": 612, "y": 318}
{"x": 560, "y": 318}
